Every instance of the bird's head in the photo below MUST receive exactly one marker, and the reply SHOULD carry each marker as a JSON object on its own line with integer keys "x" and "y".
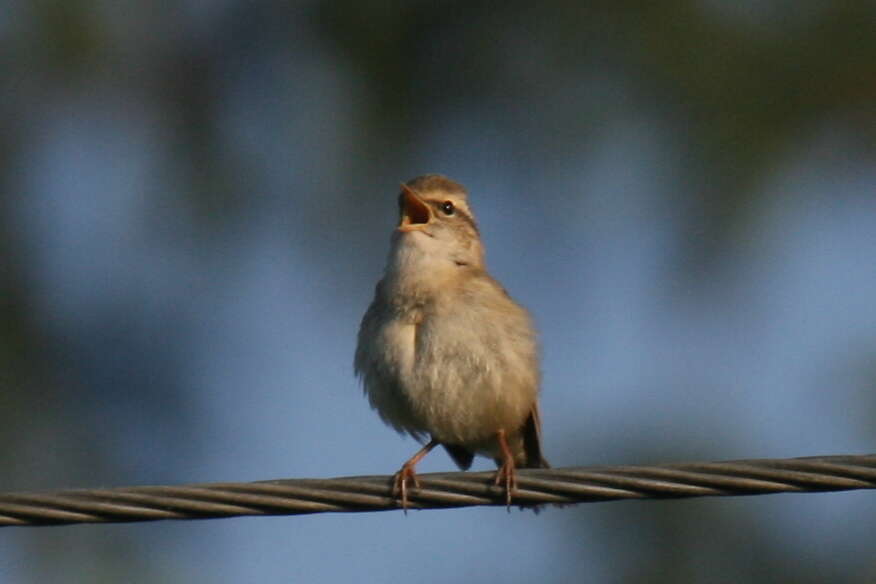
{"x": 437, "y": 233}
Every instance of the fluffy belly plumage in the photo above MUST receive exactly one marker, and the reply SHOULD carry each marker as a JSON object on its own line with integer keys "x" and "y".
{"x": 461, "y": 390}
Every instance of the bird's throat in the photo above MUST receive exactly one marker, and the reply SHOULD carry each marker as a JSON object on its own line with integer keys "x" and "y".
{"x": 416, "y": 278}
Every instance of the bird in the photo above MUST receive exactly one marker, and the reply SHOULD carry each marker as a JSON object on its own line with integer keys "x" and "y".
{"x": 444, "y": 354}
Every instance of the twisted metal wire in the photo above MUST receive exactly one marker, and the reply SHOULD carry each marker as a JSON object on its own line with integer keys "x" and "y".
{"x": 440, "y": 490}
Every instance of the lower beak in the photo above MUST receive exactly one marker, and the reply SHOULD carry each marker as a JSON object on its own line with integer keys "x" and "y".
{"x": 415, "y": 214}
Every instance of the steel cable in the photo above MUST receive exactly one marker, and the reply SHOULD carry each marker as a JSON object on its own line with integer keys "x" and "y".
{"x": 439, "y": 490}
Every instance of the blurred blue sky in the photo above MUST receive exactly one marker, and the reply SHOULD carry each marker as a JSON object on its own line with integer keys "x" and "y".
{"x": 194, "y": 276}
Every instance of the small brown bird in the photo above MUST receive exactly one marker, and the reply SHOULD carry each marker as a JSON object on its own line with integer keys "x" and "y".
{"x": 443, "y": 351}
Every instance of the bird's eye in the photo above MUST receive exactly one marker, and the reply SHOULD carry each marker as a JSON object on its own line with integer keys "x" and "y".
{"x": 447, "y": 207}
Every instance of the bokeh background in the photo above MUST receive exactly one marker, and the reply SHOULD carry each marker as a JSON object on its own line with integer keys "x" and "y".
{"x": 197, "y": 200}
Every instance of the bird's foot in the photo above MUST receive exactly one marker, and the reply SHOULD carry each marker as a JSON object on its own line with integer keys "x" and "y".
{"x": 407, "y": 473}
{"x": 400, "y": 485}
{"x": 506, "y": 472}
{"x": 507, "y": 476}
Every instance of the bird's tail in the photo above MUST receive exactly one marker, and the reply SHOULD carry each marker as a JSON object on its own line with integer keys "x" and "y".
{"x": 532, "y": 441}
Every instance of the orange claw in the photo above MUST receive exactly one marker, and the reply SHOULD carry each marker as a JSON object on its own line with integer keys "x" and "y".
{"x": 506, "y": 472}
{"x": 407, "y": 473}
{"x": 400, "y": 486}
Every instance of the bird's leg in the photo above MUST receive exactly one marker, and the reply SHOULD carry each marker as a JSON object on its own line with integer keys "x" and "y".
{"x": 406, "y": 473}
{"x": 506, "y": 472}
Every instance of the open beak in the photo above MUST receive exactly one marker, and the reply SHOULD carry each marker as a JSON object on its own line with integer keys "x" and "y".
{"x": 415, "y": 214}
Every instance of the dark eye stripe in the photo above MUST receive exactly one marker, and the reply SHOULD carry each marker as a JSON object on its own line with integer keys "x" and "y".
{"x": 460, "y": 214}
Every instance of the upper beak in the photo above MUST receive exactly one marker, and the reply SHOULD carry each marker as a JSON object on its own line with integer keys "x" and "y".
{"x": 415, "y": 214}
